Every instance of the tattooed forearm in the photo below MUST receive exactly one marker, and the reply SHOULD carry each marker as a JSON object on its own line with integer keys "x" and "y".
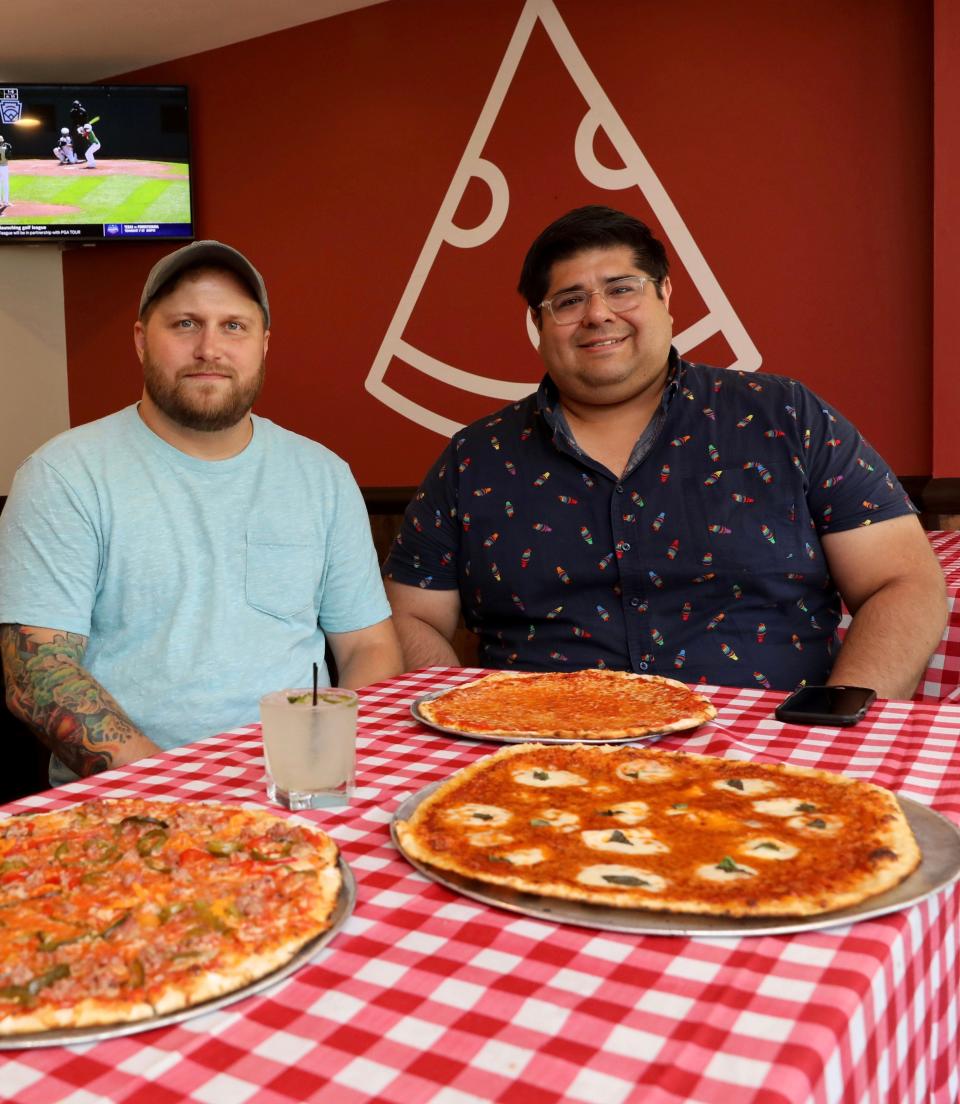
{"x": 48, "y": 688}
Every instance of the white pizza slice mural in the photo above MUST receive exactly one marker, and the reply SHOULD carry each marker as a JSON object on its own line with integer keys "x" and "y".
{"x": 599, "y": 119}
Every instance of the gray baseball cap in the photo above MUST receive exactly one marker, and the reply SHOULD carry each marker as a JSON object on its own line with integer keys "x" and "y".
{"x": 201, "y": 253}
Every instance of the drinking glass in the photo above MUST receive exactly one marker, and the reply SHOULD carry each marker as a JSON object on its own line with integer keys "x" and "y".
{"x": 310, "y": 749}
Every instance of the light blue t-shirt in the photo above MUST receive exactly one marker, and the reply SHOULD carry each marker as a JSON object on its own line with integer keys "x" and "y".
{"x": 201, "y": 584}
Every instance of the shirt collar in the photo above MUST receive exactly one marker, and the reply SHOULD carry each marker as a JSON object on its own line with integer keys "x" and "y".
{"x": 548, "y": 398}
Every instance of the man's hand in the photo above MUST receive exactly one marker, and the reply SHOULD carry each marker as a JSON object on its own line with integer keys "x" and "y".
{"x": 426, "y": 621}
{"x": 366, "y": 655}
{"x": 891, "y": 582}
{"x": 71, "y": 713}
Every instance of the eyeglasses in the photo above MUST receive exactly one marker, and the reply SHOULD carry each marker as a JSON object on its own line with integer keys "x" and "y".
{"x": 620, "y": 295}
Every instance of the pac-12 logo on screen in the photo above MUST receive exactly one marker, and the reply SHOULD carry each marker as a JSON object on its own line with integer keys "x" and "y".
{"x": 10, "y": 105}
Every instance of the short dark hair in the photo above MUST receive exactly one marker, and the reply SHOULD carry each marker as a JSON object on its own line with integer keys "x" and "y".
{"x": 592, "y": 227}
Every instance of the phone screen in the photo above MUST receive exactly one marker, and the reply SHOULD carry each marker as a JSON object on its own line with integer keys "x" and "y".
{"x": 837, "y": 700}
{"x": 826, "y": 704}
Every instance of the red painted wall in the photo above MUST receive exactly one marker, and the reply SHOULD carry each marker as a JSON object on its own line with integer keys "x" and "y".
{"x": 794, "y": 140}
{"x": 946, "y": 238}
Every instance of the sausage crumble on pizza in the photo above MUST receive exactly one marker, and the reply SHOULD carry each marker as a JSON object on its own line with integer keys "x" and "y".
{"x": 117, "y": 910}
{"x": 583, "y": 705}
{"x": 664, "y": 831}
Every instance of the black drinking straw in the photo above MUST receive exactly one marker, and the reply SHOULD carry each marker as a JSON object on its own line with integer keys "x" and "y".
{"x": 316, "y": 673}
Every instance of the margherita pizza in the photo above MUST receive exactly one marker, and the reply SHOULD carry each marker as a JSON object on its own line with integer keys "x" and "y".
{"x": 118, "y": 910}
{"x": 576, "y": 705}
{"x": 664, "y": 831}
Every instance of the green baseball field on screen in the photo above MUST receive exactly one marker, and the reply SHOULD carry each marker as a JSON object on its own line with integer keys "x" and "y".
{"x": 102, "y": 195}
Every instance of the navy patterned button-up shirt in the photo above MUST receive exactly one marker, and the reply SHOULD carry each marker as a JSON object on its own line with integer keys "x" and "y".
{"x": 703, "y": 562}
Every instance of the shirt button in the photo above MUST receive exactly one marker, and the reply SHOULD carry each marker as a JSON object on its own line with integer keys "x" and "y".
{"x": 625, "y": 546}
{"x": 619, "y": 488}
{"x": 634, "y": 601}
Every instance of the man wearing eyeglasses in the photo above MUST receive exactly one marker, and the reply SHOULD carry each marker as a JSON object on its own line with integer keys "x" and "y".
{"x": 639, "y": 512}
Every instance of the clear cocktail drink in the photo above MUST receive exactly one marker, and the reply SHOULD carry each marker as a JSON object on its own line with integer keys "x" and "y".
{"x": 310, "y": 750}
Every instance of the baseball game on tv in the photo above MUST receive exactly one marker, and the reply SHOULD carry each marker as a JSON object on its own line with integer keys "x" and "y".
{"x": 93, "y": 163}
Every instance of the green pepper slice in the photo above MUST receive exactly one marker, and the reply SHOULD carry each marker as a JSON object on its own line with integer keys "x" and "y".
{"x": 23, "y": 994}
{"x": 281, "y": 852}
{"x": 152, "y": 841}
{"x": 209, "y": 918}
{"x": 114, "y": 924}
{"x": 48, "y": 944}
{"x": 105, "y": 853}
{"x": 140, "y": 821}
{"x": 221, "y": 847}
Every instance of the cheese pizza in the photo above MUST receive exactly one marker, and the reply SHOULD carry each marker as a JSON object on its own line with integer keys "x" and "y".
{"x": 584, "y": 705}
{"x": 664, "y": 831}
{"x": 118, "y": 910}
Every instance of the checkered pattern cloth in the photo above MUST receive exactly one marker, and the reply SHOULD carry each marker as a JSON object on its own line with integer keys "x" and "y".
{"x": 424, "y": 995}
{"x": 947, "y": 547}
{"x": 941, "y": 680}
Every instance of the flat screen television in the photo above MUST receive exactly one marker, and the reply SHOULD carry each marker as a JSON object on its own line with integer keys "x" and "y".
{"x": 94, "y": 163}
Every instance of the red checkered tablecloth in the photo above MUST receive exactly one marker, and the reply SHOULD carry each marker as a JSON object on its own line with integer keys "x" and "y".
{"x": 428, "y": 996}
{"x": 947, "y": 547}
{"x": 941, "y": 680}
{"x": 942, "y": 677}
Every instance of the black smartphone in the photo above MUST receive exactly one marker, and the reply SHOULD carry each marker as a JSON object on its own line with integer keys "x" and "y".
{"x": 826, "y": 705}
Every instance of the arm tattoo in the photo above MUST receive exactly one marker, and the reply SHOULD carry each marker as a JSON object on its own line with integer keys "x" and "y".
{"x": 63, "y": 704}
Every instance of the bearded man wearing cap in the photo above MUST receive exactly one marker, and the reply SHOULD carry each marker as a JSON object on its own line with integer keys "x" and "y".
{"x": 165, "y": 566}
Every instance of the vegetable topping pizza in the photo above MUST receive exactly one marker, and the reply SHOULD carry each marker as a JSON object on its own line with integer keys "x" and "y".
{"x": 664, "y": 831}
{"x": 585, "y": 705}
{"x": 118, "y": 910}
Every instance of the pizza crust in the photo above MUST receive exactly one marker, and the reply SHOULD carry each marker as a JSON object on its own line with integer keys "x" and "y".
{"x": 575, "y": 705}
{"x": 698, "y": 848}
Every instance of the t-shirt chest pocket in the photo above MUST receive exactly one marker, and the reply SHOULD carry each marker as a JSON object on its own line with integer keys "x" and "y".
{"x": 281, "y": 576}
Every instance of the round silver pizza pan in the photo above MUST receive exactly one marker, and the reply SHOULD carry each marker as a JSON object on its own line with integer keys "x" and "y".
{"x": 938, "y": 837}
{"x": 528, "y": 737}
{"x": 70, "y": 1036}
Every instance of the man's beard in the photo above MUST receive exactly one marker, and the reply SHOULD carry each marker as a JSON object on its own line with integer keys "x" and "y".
{"x": 182, "y": 404}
